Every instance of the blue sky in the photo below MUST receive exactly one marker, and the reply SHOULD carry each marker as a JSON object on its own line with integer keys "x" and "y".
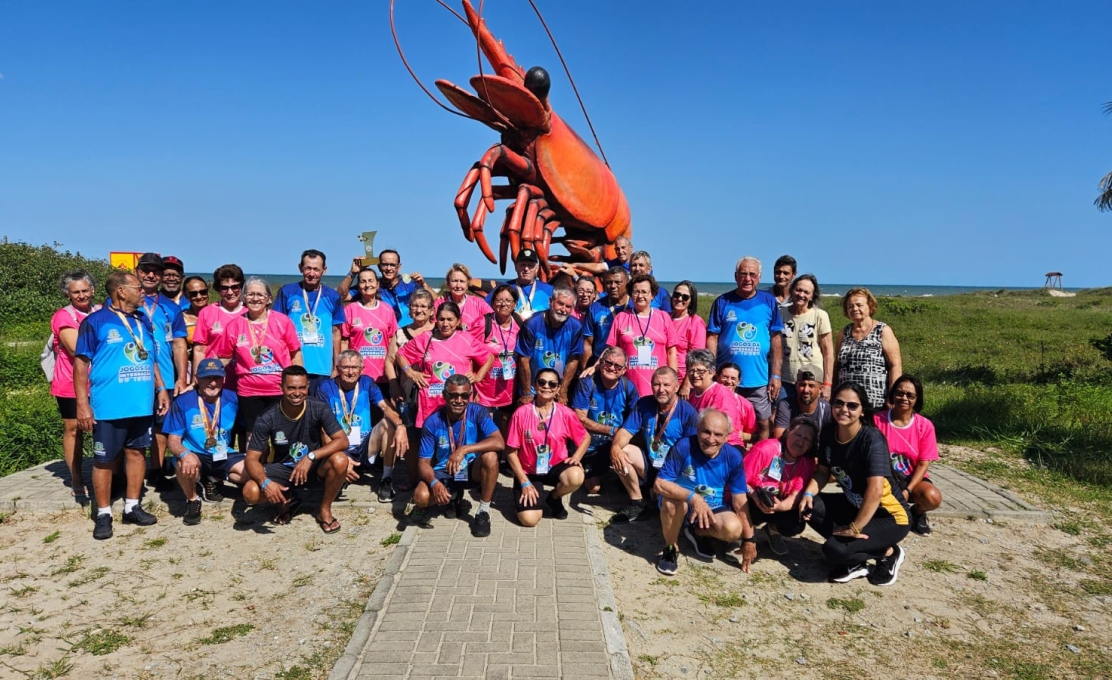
{"x": 948, "y": 143}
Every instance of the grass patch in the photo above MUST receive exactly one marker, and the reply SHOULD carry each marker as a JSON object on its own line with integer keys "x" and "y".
{"x": 302, "y": 581}
{"x": 156, "y": 543}
{"x": 940, "y": 566}
{"x": 977, "y": 575}
{"x": 52, "y": 537}
{"x": 226, "y": 634}
{"x": 102, "y": 642}
{"x": 93, "y": 575}
{"x": 24, "y": 591}
{"x": 1096, "y": 586}
{"x": 1071, "y": 528}
{"x": 392, "y": 539}
{"x": 724, "y": 600}
{"x": 55, "y": 669}
{"x": 851, "y": 604}
{"x": 73, "y": 563}
{"x": 140, "y": 621}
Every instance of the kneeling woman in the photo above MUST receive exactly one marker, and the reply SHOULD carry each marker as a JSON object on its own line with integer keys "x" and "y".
{"x": 537, "y": 451}
{"x": 869, "y": 517}
{"x": 777, "y": 471}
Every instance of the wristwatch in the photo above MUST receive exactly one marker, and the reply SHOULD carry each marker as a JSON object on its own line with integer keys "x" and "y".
{"x": 312, "y": 455}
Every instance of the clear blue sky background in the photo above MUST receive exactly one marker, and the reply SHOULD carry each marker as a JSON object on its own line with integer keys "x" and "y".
{"x": 949, "y": 143}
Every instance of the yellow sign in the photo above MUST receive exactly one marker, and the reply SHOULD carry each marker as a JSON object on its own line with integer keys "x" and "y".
{"x": 120, "y": 260}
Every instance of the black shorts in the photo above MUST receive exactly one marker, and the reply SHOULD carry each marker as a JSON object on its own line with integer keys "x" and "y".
{"x": 596, "y": 463}
{"x": 110, "y": 437}
{"x": 250, "y": 408}
{"x": 212, "y": 468}
{"x": 280, "y": 473}
{"x": 67, "y": 407}
{"x": 453, "y": 484}
{"x": 552, "y": 479}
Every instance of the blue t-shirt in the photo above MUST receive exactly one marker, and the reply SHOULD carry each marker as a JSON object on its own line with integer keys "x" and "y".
{"x": 328, "y": 312}
{"x": 643, "y": 419}
{"x": 539, "y": 291}
{"x": 121, "y": 384}
{"x": 183, "y": 303}
{"x": 436, "y": 444}
{"x": 397, "y": 297}
{"x": 597, "y": 322}
{"x": 689, "y": 467}
{"x": 549, "y": 347}
{"x": 609, "y": 407}
{"x": 745, "y": 329}
{"x": 185, "y": 421}
{"x": 168, "y": 322}
{"x": 357, "y": 415}
{"x": 662, "y": 301}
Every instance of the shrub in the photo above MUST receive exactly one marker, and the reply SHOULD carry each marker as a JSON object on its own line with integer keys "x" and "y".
{"x": 31, "y": 275}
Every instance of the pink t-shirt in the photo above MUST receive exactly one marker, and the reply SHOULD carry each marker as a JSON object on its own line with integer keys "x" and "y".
{"x": 497, "y": 389}
{"x": 742, "y": 416}
{"x": 368, "y": 331}
{"x": 277, "y": 340}
{"x": 760, "y": 468}
{"x": 691, "y": 333}
{"x": 908, "y": 445}
{"x": 212, "y": 321}
{"x": 438, "y": 359}
{"x": 61, "y": 385}
{"x": 525, "y": 434}
{"x": 471, "y": 310}
{"x": 631, "y": 332}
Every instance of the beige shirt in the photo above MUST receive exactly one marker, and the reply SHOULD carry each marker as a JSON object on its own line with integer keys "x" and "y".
{"x": 801, "y": 340}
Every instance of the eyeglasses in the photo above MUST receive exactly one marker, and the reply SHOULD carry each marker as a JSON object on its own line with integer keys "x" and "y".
{"x": 235, "y": 287}
{"x": 848, "y": 405}
{"x": 548, "y": 383}
{"x": 198, "y": 293}
{"x": 697, "y": 371}
{"x": 683, "y": 297}
{"x": 613, "y": 365}
{"x": 171, "y": 275}
{"x": 747, "y": 275}
{"x": 457, "y": 396}
{"x": 255, "y": 296}
{"x": 388, "y": 265}
{"x": 350, "y": 368}
{"x": 910, "y": 396}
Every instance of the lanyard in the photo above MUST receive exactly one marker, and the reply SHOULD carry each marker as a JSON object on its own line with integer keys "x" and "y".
{"x": 505, "y": 336}
{"x": 349, "y": 414}
{"x": 452, "y": 445}
{"x": 658, "y": 431}
{"x": 305, "y": 294}
{"x": 137, "y": 338}
{"x": 648, "y": 324}
{"x": 150, "y": 309}
{"x": 210, "y": 425}
{"x": 521, "y": 294}
{"x": 543, "y": 426}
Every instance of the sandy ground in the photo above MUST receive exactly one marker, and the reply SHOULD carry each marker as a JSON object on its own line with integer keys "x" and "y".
{"x": 233, "y": 597}
{"x": 975, "y": 599}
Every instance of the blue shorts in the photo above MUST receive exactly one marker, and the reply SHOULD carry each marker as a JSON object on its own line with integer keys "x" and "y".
{"x": 110, "y": 437}
{"x": 218, "y": 469}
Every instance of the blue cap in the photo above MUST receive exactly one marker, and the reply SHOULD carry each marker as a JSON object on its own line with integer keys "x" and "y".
{"x": 210, "y": 368}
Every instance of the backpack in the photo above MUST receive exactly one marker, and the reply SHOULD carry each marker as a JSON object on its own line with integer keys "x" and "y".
{"x": 48, "y": 357}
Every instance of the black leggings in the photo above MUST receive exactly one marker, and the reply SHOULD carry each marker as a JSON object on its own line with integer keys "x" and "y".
{"x": 833, "y": 510}
{"x": 788, "y": 522}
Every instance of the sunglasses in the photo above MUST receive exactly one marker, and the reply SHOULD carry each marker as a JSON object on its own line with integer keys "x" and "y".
{"x": 234, "y": 287}
{"x": 848, "y": 405}
{"x": 548, "y": 383}
{"x": 199, "y": 293}
{"x": 683, "y": 297}
{"x": 906, "y": 395}
{"x": 453, "y": 396}
{"x": 614, "y": 365}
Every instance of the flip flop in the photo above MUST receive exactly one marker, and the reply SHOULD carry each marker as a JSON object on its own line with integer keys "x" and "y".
{"x": 287, "y": 510}
{"x": 329, "y": 527}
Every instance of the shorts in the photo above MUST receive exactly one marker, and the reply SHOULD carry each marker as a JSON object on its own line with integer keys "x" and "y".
{"x": 217, "y": 469}
{"x": 552, "y": 478}
{"x": 453, "y": 484}
{"x": 280, "y": 473}
{"x": 250, "y": 408}
{"x": 110, "y": 437}
{"x": 596, "y": 463}
{"x": 688, "y": 514}
{"x": 67, "y": 407}
{"x": 758, "y": 397}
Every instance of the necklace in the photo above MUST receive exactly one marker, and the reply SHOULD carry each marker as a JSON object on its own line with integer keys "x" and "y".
{"x": 304, "y": 404}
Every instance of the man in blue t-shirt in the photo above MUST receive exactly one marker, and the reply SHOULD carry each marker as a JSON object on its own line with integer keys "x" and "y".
{"x": 351, "y": 397}
{"x": 600, "y": 315}
{"x": 692, "y": 487}
{"x": 459, "y": 449}
{"x": 394, "y": 288}
{"x": 532, "y": 295}
{"x": 603, "y": 401}
{"x": 744, "y": 328}
{"x": 661, "y": 419}
{"x": 550, "y": 340}
{"x": 199, "y": 428}
{"x": 115, "y": 378}
{"x": 316, "y": 313}
{"x": 642, "y": 263}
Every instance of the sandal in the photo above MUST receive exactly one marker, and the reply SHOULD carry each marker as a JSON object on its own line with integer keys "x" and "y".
{"x": 286, "y": 511}
{"x": 329, "y": 527}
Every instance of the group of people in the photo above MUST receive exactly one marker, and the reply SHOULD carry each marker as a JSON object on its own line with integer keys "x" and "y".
{"x": 718, "y": 427}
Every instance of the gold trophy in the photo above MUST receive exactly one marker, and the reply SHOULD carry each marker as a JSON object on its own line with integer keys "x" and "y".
{"x": 368, "y": 239}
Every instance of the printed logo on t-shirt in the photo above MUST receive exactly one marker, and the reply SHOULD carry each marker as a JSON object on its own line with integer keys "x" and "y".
{"x": 295, "y": 305}
{"x": 746, "y": 345}
{"x": 901, "y": 463}
{"x": 688, "y": 472}
{"x": 443, "y": 370}
{"x": 298, "y": 451}
{"x": 279, "y": 437}
{"x": 216, "y": 327}
{"x": 131, "y": 351}
{"x": 114, "y": 336}
{"x": 372, "y": 335}
{"x": 549, "y": 359}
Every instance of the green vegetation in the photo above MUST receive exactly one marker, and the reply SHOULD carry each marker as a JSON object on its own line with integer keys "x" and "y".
{"x": 101, "y": 642}
{"x": 940, "y": 566}
{"x": 226, "y": 634}
{"x": 851, "y": 604}
{"x": 392, "y": 539}
{"x": 52, "y": 537}
{"x": 977, "y": 575}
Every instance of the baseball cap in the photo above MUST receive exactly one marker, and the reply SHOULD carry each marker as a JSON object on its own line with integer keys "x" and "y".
{"x": 210, "y": 368}
{"x": 527, "y": 255}
{"x": 810, "y": 372}
{"x": 171, "y": 262}
{"x": 150, "y": 260}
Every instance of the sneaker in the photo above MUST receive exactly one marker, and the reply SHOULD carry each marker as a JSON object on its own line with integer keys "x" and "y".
{"x": 103, "y": 528}
{"x": 920, "y": 525}
{"x": 702, "y": 544}
{"x": 631, "y": 512}
{"x": 420, "y": 517}
{"x": 776, "y": 541}
{"x": 140, "y": 516}
{"x": 887, "y": 568}
{"x": 192, "y": 514}
{"x": 669, "y": 561}
{"x": 556, "y": 507}
{"x": 210, "y": 490}
{"x": 386, "y": 490}
{"x": 480, "y": 525}
{"x": 451, "y": 511}
{"x": 847, "y": 574}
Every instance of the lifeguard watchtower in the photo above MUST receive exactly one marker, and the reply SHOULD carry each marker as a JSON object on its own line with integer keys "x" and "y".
{"x": 1053, "y": 280}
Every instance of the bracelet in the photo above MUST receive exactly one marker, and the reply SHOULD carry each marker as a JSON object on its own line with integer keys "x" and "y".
{"x": 828, "y": 384}
{"x": 774, "y": 375}
{"x": 161, "y": 389}
{"x": 611, "y": 431}
{"x": 433, "y": 485}
{"x": 265, "y": 482}
{"x": 526, "y": 484}
{"x": 808, "y": 494}
{"x": 689, "y": 497}
{"x": 751, "y": 539}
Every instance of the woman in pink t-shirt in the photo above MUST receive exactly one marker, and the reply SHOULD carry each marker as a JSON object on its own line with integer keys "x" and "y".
{"x": 431, "y": 357}
{"x": 78, "y": 287}
{"x": 369, "y": 328}
{"x": 472, "y": 308}
{"x": 498, "y": 332}
{"x": 537, "y": 451}
{"x": 707, "y": 393}
{"x": 913, "y": 446}
{"x": 259, "y": 344}
{"x": 777, "y": 471}
{"x": 691, "y": 330}
{"x": 213, "y": 320}
{"x": 645, "y": 334}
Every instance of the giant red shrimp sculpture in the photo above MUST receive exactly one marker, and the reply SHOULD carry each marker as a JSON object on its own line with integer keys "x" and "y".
{"x": 555, "y": 180}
